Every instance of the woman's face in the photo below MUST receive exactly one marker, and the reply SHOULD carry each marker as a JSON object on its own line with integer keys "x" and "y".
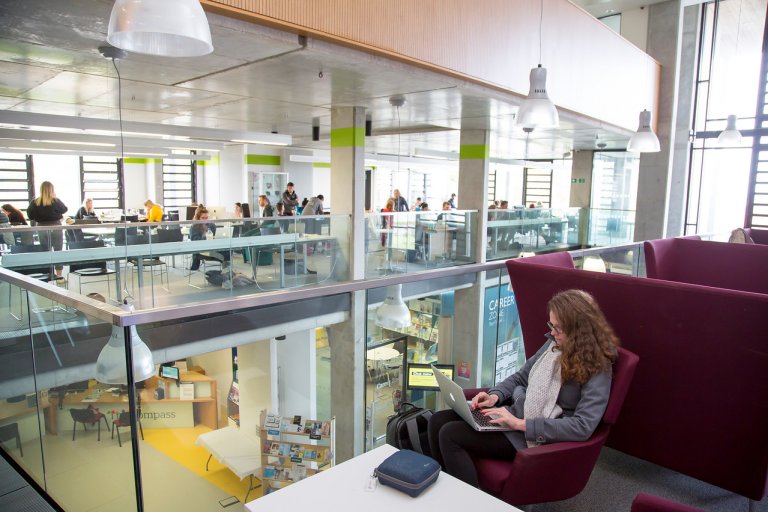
{"x": 556, "y": 329}
{"x": 89, "y": 205}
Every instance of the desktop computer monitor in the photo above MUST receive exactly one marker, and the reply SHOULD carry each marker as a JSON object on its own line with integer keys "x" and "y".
{"x": 129, "y": 218}
{"x": 169, "y": 372}
{"x": 420, "y": 376}
{"x": 191, "y": 212}
{"x": 217, "y": 212}
{"x": 246, "y": 210}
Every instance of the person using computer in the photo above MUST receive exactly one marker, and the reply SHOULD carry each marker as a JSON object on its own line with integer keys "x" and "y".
{"x": 199, "y": 231}
{"x": 86, "y": 210}
{"x": 559, "y": 395}
{"x": 154, "y": 211}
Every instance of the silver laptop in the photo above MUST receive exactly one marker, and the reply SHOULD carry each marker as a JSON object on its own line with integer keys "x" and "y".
{"x": 454, "y": 397}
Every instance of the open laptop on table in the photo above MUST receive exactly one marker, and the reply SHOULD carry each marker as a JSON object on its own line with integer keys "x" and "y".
{"x": 454, "y": 397}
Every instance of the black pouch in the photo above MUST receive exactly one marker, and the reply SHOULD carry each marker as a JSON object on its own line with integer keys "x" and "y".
{"x": 408, "y": 471}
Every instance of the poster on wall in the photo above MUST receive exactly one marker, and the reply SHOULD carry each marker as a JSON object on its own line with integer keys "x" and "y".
{"x": 502, "y": 335}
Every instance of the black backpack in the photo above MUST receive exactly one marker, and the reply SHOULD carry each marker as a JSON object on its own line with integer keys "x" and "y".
{"x": 408, "y": 428}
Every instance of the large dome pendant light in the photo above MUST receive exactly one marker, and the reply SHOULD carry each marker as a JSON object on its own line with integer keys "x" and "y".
{"x": 393, "y": 313}
{"x": 166, "y": 28}
{"x": 644, "y": 140}
{"x": 537, "y": 110}
{"x": 110, "y": 365}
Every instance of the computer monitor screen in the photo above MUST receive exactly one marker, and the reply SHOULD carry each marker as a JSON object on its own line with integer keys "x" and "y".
{"x": 246, "y": 210}
{"x": 191, "y": 212}
{"x": 129, "y": 218}
{"x": 88, "y": 219}
{"x": 216, "y": 212}
{"x": 420, "y": 376}
{"x": 169, "y": 372}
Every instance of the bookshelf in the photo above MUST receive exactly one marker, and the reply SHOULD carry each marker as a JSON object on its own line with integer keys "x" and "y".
{"x": 294, "y": 448}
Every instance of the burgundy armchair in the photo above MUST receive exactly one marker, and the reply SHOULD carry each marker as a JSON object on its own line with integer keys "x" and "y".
{"x": 648, "y": 503}
{"x": 528, "y": 478}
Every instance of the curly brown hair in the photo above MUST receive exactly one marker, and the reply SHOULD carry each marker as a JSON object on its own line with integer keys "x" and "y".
{"x": 591, "y": 347}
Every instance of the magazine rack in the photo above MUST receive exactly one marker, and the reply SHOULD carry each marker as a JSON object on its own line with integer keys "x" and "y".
{"x": 293, "y": 448}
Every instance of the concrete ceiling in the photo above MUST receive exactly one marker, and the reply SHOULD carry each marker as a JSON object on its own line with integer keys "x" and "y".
{"x": 257, "y": 80}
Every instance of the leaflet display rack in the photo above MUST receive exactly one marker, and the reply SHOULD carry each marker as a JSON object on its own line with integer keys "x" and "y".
{"x": 293, "y": 448}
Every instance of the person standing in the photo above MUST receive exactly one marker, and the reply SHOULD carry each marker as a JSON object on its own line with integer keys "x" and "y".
{"x": 401, "y": 205}
{"x": 386, "y": 220}
{"x": 154, "y": 211}
{"x": 86, "y": 210}
{"x": 290, "y": 199}
{"x": 452, "y": 201}
{"x": 417, "y": 205}
{"x": 48, "y": 210}
{"x": 313, "y": 207}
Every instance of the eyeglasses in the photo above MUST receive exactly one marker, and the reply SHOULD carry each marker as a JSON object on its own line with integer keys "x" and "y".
{"x": 554, "y": 328}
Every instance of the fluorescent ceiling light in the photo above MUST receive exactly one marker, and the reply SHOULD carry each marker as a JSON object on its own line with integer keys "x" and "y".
{"x": 74, "y": 142}
{"x": 147, "y": 129}
{"x": 264, "y": 142}
{"x": 310, "y": 159}
{"x": 438, "y": 155}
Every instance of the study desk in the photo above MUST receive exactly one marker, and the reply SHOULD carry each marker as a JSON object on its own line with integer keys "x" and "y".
{"x": 241, "y": 454}
{"x": 342, "y": 487}
{"x": 519, "y": 224}
{"x": 21, "y": 412}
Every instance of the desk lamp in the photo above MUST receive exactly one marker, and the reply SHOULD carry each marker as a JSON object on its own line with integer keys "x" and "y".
{"x": 110, "y": 366}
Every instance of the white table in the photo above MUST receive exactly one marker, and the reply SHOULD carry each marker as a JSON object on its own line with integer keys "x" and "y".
{"x": 241, "y": 454}
{"x": 382, "y": 354}
{"x": 341, "y": 488}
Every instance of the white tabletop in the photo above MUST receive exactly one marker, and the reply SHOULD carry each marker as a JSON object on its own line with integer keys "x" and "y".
{"x": 341, "y": 488}
{"x": 382, "y": 354}
{"x": 234, "y": 449}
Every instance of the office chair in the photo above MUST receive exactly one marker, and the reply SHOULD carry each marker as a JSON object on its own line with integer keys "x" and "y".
{"x": 43, "y": 274}
{"x": 11, "y": 431}
{"x": 90, "y": 268}
{"x": 124, "y": 420}
{"x": 87, "y": 416}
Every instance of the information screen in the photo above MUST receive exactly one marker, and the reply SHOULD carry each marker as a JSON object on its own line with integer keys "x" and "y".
{"x": 420, "y": 376}
{"x": 169, "y": 372}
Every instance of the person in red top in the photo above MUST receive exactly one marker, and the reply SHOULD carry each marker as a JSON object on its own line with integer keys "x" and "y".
{"x": 386, "y": 220}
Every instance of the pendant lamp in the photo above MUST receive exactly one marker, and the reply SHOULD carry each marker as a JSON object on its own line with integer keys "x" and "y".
{"x": 167, "y": 28}
{"x": 644, "y": 140}
{"x": 731, "y": 136}
{"x": 110, "y": 365}
{"x": 393, "y": 313}
{"x": 538, "y": 111}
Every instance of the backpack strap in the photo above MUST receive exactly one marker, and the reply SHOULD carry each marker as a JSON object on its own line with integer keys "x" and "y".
{"x": 411, "y": 424}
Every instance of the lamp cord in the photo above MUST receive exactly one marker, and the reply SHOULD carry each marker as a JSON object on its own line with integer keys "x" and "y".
{"x": 126, "y": 293}
{"x": 398, "y": 143}
{"x": 541, "y": 24}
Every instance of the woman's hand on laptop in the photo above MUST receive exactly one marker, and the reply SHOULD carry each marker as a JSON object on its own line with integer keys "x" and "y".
{"x": 483, "y": 400}
{"x": 503, "y": 416}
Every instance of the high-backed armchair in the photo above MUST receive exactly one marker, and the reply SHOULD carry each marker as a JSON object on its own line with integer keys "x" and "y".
{"x": 528, "y": 478}
{"x": 649, "y": 503}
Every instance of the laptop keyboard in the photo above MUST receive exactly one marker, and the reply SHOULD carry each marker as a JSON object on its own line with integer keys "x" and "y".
{"x": 481, "y": 419}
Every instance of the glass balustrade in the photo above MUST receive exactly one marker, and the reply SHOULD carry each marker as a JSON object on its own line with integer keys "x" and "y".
{"x": 532, "y": 230}
{"x": 406, "y": 242}
{"x": 171, "y": 263}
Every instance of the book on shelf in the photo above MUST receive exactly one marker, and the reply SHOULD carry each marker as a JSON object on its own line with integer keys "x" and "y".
{"x": 272, "y": 421}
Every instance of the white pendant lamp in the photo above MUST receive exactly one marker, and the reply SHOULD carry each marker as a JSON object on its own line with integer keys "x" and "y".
{"x": 393, "y": 313}
{"x": 538, "y": 111}
{"x": 644, "y": 140}
{"x": 731, "y": 136}
{"x": 167, "y": 28}
{"x": 110, "y": 366}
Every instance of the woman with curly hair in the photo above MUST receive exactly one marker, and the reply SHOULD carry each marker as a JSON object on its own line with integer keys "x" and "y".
{"x": 560, "y": 394}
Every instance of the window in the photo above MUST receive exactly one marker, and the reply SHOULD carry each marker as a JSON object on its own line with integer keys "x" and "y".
{"x": 537, "y": 186}
{"x": 727, "y": 82}
{"x": 179, "y": 184}
{"x": 102, "y": 181}
{"x": 16, "y": 182}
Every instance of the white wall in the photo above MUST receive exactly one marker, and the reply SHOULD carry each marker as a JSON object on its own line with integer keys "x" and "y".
{"x": 300, "y": 173}
{"x": 136, "y": 183}
{"x": 254, "y": 376}
{"x": 296, "y": 374}
{"x": 217, "y": 365}
{"x": 634, "y": 27}
{"x": 231, "y": 179}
